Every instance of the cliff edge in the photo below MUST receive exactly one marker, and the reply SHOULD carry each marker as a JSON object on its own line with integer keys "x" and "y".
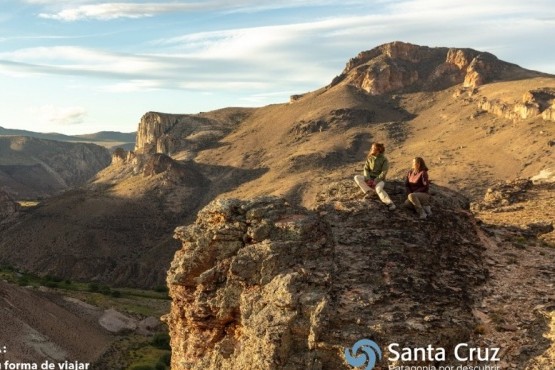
{"x": 262, "y": 284}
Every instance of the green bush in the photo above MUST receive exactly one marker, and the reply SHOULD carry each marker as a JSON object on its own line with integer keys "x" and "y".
{"x": 93, "y": 287}
{"x": 161, "y": 289}
{"x": 160, "y": 366}
{"x": 51, "y": 284}
{"x": 23, "y": 280}
{"x": 166, "y": 358}
{"x": 161, "y": 341}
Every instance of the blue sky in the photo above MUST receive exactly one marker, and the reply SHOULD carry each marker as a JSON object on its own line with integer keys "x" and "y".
{"x": 84, "y": 66}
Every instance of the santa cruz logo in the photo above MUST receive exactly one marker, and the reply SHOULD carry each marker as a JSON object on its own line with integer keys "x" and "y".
{"x": 371, "y": 353}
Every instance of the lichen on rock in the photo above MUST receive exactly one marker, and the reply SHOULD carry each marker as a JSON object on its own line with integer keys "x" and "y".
{"x": 262, "y": 284}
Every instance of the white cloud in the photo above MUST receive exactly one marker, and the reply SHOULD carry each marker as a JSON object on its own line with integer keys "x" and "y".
{"x": 63, "y": 116}
{"x": 130, "y": 9}
{"x": 293, "y": 57}
{"x": 108, "y": 11}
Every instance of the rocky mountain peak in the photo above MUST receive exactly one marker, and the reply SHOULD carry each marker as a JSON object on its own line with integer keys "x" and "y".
{"x": 263, "y": 284}
{"x": 398, "y": 66}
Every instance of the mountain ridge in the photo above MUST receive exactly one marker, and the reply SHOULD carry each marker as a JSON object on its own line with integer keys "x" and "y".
{"x": 293, "y": 150}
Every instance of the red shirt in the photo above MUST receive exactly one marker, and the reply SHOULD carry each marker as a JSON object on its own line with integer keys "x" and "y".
{"x": 417, "y": 182}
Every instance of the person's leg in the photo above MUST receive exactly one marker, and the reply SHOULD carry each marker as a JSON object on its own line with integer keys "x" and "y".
{"x": 415, "y": 199}
{"x": 384, "y": 197}
{"x": 360, "y": 181}
{"x": 425, "y": 200}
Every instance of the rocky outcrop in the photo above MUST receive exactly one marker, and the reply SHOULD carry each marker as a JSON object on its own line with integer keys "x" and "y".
{"x": 400, "y": 66}
{"x": 8, "y": 206}
{"x": 503, "y": 194}
{"x": 534, "y": 103}
{"x": 33, "y": 168}
{"x": 171, "y": 133}
{"x": 261, "y": 284}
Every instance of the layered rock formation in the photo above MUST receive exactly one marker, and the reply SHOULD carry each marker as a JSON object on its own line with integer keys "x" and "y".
{"x": 399, "y": 66}
{"x": 534, "y": 103}
{"x": 171, "y": 133}
{"x": 261, "y": 284}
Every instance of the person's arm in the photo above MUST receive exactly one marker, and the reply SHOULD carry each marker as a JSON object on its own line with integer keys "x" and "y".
{"x": 366, "y": 170}
{"x": 383, "y": 171}
{"x": 407, "y": 187}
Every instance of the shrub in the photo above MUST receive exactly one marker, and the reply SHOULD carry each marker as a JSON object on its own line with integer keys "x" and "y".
{"x": 161, "y": 341}
{"x": 166, "y": 358}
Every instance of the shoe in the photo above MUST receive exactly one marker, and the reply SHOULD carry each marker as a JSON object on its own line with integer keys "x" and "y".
{"x": 423, "y": 215}
{"x": 428, "y": 210}
{"x": 391, "y": 206}
{"x": 407, "y": 205}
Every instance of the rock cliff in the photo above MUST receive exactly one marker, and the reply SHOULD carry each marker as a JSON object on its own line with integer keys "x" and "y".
{"x": 261, "y": 284}
{"x": 534, "y": 103}
{"x": 400, "y": 66}
{"x": 171, "y": 133}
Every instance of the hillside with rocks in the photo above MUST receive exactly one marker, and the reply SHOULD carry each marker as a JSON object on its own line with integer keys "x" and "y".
{"x": 32, "y": 168}
{"x": 291, "y": 150}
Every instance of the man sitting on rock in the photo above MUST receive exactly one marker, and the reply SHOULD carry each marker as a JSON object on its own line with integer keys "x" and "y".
{"x": 375, "y": 170}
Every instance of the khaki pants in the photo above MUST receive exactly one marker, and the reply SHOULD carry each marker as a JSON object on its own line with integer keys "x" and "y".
{"x": 419, "y": 200}
{"x": 359, "y": 179}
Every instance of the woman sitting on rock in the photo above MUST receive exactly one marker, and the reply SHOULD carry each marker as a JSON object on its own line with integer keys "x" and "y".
{"x": 417, "y": 184}
{"x": 375, "y": 170}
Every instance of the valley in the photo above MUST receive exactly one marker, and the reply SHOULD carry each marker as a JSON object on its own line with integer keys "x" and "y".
{"x": 232, "y": 197}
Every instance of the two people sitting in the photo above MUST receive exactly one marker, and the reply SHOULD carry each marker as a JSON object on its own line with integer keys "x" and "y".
{"x": 416, "y": 181}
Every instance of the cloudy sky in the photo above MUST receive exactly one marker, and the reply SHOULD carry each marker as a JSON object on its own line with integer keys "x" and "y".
{"x": 84, "y": 66}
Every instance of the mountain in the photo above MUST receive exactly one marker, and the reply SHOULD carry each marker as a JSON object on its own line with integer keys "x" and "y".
{"x": 33, "y": 168}
{"x": 109, "y": 136}
{"x": 108, "y": 139}
{"x": 38, "y": 135}
{"x": 432, "y": 104}
{"x": 278, "y": 263}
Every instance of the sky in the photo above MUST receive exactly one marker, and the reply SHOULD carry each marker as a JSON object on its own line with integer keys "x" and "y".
{"x": 84, "y": 66}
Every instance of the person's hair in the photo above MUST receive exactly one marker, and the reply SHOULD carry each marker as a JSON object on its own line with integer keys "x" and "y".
{"x": 380, "y": 146}
{"x": 419, "y": 164}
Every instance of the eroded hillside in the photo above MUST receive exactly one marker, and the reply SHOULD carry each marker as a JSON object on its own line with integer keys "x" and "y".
{"x": 121, "y": 223}
{"x": 32, "y": 168}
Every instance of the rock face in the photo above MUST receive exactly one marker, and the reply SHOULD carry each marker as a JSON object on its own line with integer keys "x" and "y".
{"x": 400, "y": 66}
{"x": 534, "y": 103}
{"x": 260, "y": 284}
{"x": 31, "y": 168}
{"x": 170, "y": 133}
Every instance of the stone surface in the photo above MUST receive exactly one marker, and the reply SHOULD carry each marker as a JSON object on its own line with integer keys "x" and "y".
{"x": 262, "y": 284}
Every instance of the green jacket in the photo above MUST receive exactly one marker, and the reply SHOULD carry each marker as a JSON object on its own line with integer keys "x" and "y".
{"x": 376, "y": 167}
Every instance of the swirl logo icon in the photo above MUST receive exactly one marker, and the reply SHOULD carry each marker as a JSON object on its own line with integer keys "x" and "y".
{"x": 371, "y": 353}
